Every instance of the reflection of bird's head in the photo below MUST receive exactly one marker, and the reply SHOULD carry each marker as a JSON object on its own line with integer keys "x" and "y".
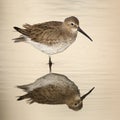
{"x": 75, "y": 103}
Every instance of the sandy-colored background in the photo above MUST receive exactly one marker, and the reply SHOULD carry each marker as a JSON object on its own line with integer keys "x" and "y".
{"x": 87, "y": 63}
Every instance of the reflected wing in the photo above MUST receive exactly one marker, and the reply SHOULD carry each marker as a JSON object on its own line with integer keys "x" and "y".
{"x": 49, "y": 94}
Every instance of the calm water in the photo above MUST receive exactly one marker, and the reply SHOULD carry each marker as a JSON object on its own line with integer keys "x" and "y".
{"x": 87, "y": 63}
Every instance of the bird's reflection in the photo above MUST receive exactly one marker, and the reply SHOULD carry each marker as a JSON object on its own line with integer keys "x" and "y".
{"x": 54, "y": 89}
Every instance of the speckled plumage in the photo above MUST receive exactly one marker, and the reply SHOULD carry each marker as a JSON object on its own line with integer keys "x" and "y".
{"x": 53, "y": 89}
{"x": 53, "y": 35}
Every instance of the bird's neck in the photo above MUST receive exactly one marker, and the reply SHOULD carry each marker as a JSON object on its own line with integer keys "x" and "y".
{"x": 68, "y": 31}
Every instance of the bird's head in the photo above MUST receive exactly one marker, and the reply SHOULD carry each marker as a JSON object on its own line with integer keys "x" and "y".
{"x": 76, "y": 105}
{"x": 72, "y": 24}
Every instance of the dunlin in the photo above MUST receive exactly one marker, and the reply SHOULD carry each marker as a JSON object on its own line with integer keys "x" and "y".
{"x": 51, "y": 37}
{"x": 54, "y": 89}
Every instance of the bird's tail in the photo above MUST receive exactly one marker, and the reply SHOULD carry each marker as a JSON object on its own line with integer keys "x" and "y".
{"x": 24, "y": 87}
{"x": 19, "y": 39}
{"x": 26, "y": 96}
{"x": 23, "y": 31}
{"x": 23, "y": 97}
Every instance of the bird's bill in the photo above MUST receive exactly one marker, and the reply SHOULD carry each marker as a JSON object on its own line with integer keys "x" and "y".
{"x": 80, "y": 30}
{"x": 84, "y": 96}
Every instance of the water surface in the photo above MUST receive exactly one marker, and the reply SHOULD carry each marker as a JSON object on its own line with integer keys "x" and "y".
{"x": 87, "y": 63}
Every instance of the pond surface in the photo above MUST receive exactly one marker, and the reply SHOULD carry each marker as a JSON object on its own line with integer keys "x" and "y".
{"x": 88, "y": 64}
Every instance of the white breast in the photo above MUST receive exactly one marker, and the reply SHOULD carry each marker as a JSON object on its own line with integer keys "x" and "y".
{"x": 50, "y": 79}
{"x": 50, "y": 50}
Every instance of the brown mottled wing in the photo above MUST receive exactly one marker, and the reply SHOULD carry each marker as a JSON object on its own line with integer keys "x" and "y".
{"x": 47, "y": 33}
{"x": 49, "y": 94}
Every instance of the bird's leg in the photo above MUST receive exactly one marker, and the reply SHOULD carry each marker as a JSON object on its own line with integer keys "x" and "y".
{"x": 50, "y": 64}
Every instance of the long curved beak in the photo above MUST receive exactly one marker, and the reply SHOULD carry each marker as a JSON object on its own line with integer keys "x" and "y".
{"x": 84, "y": 96}
{"x": 80, "y": 30}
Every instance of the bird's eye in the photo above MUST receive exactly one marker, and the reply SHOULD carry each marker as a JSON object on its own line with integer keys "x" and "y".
{"x": 75, "y": 104}
{"x": 72, "y": 24}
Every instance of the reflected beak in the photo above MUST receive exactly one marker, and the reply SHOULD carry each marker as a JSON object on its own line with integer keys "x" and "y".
{"x": 84, "y": 96}
{"x": 80, "y": 30}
